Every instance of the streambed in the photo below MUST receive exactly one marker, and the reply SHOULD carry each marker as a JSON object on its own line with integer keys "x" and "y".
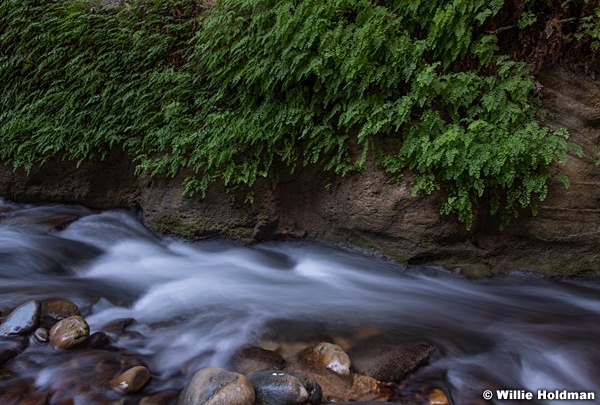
{"x": 194, "y": 304}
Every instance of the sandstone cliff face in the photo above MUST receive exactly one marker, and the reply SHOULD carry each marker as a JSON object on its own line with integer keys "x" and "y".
{"x": 363, "y": 209}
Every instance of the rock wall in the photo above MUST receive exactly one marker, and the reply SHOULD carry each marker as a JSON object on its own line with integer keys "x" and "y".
{"x": 363, "y": 209}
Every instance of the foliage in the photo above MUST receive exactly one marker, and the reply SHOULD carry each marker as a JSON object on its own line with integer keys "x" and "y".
{"x": 235, "y": 93}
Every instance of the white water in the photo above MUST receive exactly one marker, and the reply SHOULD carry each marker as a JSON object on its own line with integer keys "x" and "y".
{"x": 196, "y": 303}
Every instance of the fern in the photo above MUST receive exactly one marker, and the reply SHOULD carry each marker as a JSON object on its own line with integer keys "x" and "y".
{"x": 236, "y": 93}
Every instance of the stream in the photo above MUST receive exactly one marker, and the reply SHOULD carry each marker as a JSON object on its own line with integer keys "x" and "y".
{"x": 196, "y": 303}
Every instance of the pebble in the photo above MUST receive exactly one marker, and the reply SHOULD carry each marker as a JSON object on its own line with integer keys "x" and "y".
{"x": 69, "y": 332}
{"x": 21, "y": 320}
{"x": 285, "y": 388}
{"x": 437, "y": 397}
{"x": 132, "y": 380}
{"x": 216, "y": 386}
{"x": 41, "y": 335}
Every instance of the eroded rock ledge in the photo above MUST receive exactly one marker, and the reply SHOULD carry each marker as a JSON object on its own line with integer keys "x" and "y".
{"x": 364, "y": 209}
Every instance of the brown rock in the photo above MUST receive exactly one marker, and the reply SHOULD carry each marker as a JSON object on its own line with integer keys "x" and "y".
{"x": 326, "y": 355}
{"x": 251, "y": 359}
{"x": 215, "y": 386}
{"x": 69, "y": 333}
{"x": 57, "y": 309}
{"x": 437, "y": 397}
{"x": 387, "y": 361}
{"x": 132, "y": 380}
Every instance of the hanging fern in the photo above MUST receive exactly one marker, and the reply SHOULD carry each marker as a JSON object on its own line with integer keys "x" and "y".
{"x": 238, "y": 91}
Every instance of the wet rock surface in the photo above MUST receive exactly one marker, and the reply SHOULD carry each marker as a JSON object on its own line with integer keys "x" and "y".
{"x": 57, "y": 309}
{"x": 22, "y": 319}
{"x": 327, "y": 355}
{"x": 215, "y": 386}
{"x": 285, "y": 388}
{"x": 250, "y": 359}
{"x": 69, "y": 332}
{"x": 132, "y": 380}
{"x": 386, "y": 360}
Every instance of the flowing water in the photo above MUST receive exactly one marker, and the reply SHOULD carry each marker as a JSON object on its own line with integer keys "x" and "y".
{"x": 196, "y": 303}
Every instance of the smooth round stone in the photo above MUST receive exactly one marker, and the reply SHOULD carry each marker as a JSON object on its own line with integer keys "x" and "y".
{"x": 215, "y": 386}
{"x": 22, "y": 320}
{"x": 437, "y": 397}
{"x": 132, "y": 380}
{"x": 327, "y": 355}
{"x": 57, "y": 309}
{"x": 285, "y": 388}
{"x": 251, "y": 359}
{"x": 41, "y": 335}
{"x": 69, "y": 332}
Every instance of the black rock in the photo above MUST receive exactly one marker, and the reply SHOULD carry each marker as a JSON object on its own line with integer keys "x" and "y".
{"x": 285, "y": 388}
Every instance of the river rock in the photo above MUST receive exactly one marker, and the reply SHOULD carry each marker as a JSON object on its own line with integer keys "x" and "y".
{"x": 132, "y": 380}
{"x": 69, "y": 332}
{"x": 57, "y": 309}
{"x": 437, "y": 397}
{"x": 215, "y": 386}
{"x": 41, "y": 335}
{"x": 285, "y": 388}
{"x": 386, "y": 361}
{"x": 251, "y": 359}
{"x": 21, "y": 320}
{"x": 327, "y": 355}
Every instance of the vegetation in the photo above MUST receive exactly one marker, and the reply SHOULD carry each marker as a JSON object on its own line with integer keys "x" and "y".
{"x": 251, "y": 87}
